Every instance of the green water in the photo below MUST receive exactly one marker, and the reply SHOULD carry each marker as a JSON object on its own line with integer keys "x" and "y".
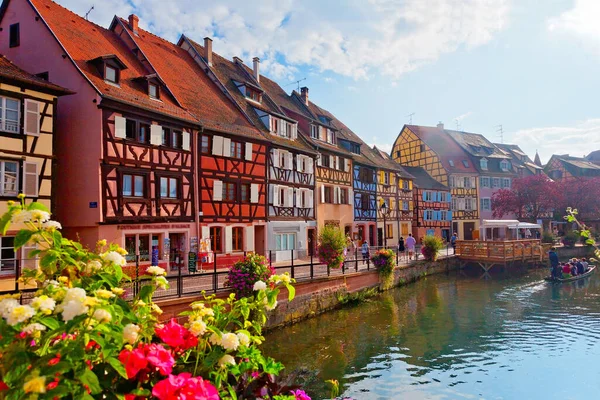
{"x": 512, "y": 336}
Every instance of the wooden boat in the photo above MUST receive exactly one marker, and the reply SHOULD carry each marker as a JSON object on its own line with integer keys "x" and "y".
{"x": 591, "y": 269}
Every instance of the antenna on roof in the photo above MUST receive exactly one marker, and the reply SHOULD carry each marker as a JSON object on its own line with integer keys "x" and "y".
{"x": 410, "y": 118}
{"x": 457, "y": 124}
{"x": 296, "y": 82}
{"x": 501, "y": 131}
{"x": 88, "y": 13}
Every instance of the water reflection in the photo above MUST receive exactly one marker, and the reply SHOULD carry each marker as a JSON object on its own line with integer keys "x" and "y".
{"x": 458, "y": 336}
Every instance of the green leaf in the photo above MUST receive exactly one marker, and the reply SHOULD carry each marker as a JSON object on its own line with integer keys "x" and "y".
{"x": 116, "y": 364}
{"x": 50, "y": 322}
{"x": 291, "y": 291}
{"x": 90, "y": 379}
{"x": 57, "y": 238}
{"x": 146, "y": 293}
{"x": 22, "y": 238}
{"x": 37, "y": 206}
{"x": 5, "y": 222}
{"x": 141, "y": 392}
{"x": 590, "y": 242}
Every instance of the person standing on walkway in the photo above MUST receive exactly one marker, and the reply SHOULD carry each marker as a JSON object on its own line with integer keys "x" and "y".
{"x": 401, "y": 248}
{"x": 365, "y": 251}
{"x": 453, "y": 242}
{"x": 410, "y": 245}
{"x": 553, "y": 257}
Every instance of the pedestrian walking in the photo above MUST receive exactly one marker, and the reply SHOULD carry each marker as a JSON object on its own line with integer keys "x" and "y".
{"x": 410, "y": 245}
{"x": 365, "y": 251}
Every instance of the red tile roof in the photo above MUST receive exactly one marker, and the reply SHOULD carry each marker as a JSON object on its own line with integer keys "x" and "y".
{"x": 445, "y": 147}
{"x": 10, "y": 71}
{"x": 191, "y": 86}
{"x": 85, "y": 41}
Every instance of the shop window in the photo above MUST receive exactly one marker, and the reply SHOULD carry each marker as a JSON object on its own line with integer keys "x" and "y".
{"x": 285, "y": 241}
{"x": 138, "y": 244}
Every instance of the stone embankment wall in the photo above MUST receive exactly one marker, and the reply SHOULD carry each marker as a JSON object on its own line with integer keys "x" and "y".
{"x": 323, "y": 294}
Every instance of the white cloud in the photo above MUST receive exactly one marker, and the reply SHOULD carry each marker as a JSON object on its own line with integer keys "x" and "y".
{"x": 357, "y": 40}
{"x": 581, "y": 20}
{"x": 577, "y": 140}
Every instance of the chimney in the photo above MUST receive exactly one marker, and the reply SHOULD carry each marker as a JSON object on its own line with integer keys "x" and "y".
{"x": 133, "y": 23}
{"x": 208, "y": 51}
{"x": 304, "y": 94}
{"x": 440, "y": 125}
{"x": 256, "y": 65}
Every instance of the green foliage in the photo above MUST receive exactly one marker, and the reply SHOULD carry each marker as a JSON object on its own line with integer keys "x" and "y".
{"x": 385, "y": 262}
{"x": 332, "y": 243}
{"x": 570, "y": 239}
{"x": 431, "y": 247}
{"x": 584, "y": 232}
{"x": 548, "y": 237}
{"x": 356, "y": 297}
{"x": 242, "y": 275}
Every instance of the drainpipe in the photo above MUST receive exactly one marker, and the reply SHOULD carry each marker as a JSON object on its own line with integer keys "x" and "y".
{"x": 196, "y": 180}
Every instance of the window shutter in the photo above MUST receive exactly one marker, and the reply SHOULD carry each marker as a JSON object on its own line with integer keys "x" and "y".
{"x": 254, "y": 193}
{"x": 275, "y": 195}
{"x": 337, "y": 163}
{"x": 217, "y": 145}
{"x": 289, "y": 160}
{"x": 449, "y": 215}
{"x": 322, "y": 194}
{"x": 205, "y": 232}
{"x": 228, "y": 239}
{"x": 294, "y": 131}
{"x": 217, "y": 190}
{"x": 28, "y": 262}
{"x": 348, "y": 165}
{"x": 32, "y": 118}
{"x": 249, "y": 238}
{"x": 309, "y": 165}
{"x": 120, "y": 127}
{"x": 320, "y": 160}
{"x": 185, "y": 140}
{"x": 299, "y": 163}
{"x": 350, "y": 196}
{"x": 30, "y": 179}
{"x": 276, "y": 158}
{"x": 290, "y": 197}
{"x": 248, "y": 151}
{"x": 473, "y": 182}
{"x": 156, "y": 135}
{"x": 226, "y": 147}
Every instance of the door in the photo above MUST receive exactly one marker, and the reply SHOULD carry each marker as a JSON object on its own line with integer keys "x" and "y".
{"x": 380, "y": 237}
{"x": 469, "y": 227}
{"x": 216, "y": 239}
{"x": 361, "y": 233}
{"x": 176, "y": 251}
{"x": 259, "y": 239}
{"x": 310, "y": 242}
{"x": 372, "y": 235}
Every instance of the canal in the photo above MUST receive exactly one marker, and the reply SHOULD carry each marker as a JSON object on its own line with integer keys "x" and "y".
{"x": 512, "y": 336}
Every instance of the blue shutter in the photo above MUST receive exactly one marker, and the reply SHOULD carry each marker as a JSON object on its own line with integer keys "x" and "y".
{"x": 448, "y": 197}
{"x": 449, "y": 215}
{"x": 424, "y": 195}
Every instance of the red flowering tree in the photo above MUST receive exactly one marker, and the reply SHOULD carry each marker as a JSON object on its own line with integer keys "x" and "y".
{"x": 529, "y": 198}
{"x": 580, "y": 194}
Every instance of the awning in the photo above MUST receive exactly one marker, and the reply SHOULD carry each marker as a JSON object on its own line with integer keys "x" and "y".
{"x": 500, "y": 223}
{"x": 527, "y": 225}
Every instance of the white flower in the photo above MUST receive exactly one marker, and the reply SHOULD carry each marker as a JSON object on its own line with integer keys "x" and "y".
{"x": 244, "y": 339}
{"x": 51, "y": 225}
{"x": 260, "y": 285}
{"x": 155, "y": 308}
{"x": 271, "y": 307}
{"x": 230, "y": 341}
{"x": 114, "y": 257}
{"x": 92, "y": 267}
{"x": 131, "y": 333}
{"x": 35, "y": 327}
{"x": 21, "y": 216}
{"x": 162, "y": 282}
{"x": 75, "y": 294}
{"x": 72, "y": 309}
{"x": 50, "y": 283}
{"x": 20, "y": 314}
{"x": 156, "y": 271}
{"x": 197, "y": 328}
{"x": 6, "y": 306}
{"x": 39, "y": 215}
{"x": 102, "y": 315}
{"x": 214, "y": 339}
{"x": 44, "y": 303}
{"x": 226, "y": 359}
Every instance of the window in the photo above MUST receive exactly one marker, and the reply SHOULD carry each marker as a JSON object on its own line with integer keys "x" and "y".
{"x": 329, "y": 194}
{"x": 177, "y": 139}
{"x": 495, "y": 182}
{"x": 467, "y": 182}
{"x": 325, "y": 160}
{"x": 14, "y": 36}
{"x": 389, "y": 231}
{"x": 484, "y": 204}
{"x": 205, "y": 144}
{"x": 342, "y": 163}
{"x": 355, "y": 148}
{"x": 274, "y": 125}
{"x": 229, "y": 191}
{"x": 136, "y": 130}
{"x": 483, "y": 163}
{"x": 454, "y": 203}
{"x": 8, "y": 257}
{"x": 451, "y": 162}
{"x": 428, "y": 215}
{"x": 314, "y": 131}
{"x": 166, "y": 136}
{"x": 469, "y": 206}
{"x": 245, "y": 192}
{"x": 252, "y": 94}
{"x": 404, "y": 205}
{"x": 111, "y": 74}
{"x": 366, "y": 175}
{"x": 364, "y": 202}
{"x": 285, "y": 241}
{"x": 236, "y": 149}
{"x": 168, "y": 188}
{"x": 330, "y": 136}
{"x": 237, "y": 238}
{"x": 484, "y": 181}
{"x": 140, "y": 244}
{"x": 133, "y": 185}
{"x": 9, "y": 114}
{"x": 130, "y": 129}
{"x": 465, "y": 163}
{"x": 386, "y": 178}
{"x": 9, "y": 178}
{"x": 398, "y": 153}
{"x": 405, "y": 185}
{"x": 444, "y": 215}
{"x": 506, "y": 183}
{"x": 153, "y": 90}
{"x": 216, "y": 237}
{"x": 421, "y": 148}
{"x": 428, "y": 196}
{"x": 343, "y": 196}
{"x": 144, "y": 134}
{"x": 504, "y": 165}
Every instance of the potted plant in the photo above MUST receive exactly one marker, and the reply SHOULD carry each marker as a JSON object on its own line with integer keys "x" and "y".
{"x": 431, "y": 247}
{"x": 243, "y": 275}
{"x": 385, "y": 262}
{"x": 331, "y": 246}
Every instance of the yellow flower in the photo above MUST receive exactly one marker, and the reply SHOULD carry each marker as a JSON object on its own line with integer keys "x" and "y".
{"x": 122, "y": 251}
{"x": 118, "y": 291}
{"x": 91, "y": 301}
{"x": 63, "y": 279}
{"x": 156, "y": 309}
{"x": 21, "y": 196}
{"x": 104, "y": 294}
{"x": 35, "y": 385}
{"x": 101, "y": 243}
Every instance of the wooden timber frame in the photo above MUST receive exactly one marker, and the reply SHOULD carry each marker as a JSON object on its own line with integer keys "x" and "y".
{"x": 487, "y": 254}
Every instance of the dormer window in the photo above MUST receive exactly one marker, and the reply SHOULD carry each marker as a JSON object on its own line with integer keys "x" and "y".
{"x": 314, "y": 131}
{"x": 253, "y": 94}
{"x": 504, "y": 165}
{"x": 330, "y": 136}
{"x": 109, "y": 66}
{"x": 483, "y": 163}
{"x": 153, "y": 90}
{"x": 451, "y": 162}
{"x": 111, "y": 74}
{"x": 465, "y": 163}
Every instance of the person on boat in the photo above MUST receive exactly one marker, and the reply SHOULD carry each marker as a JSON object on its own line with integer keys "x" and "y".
{"x": 580, "y": 269}
{"x": 585, "y": 265}
{"x": 574, "y": 271}
{"x": 557, "y": 272}
{"x": 566, "y": 270}
{"x": 553, "y": 258}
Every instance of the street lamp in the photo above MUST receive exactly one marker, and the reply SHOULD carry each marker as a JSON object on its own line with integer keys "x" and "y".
{"x": 383, "y": 211}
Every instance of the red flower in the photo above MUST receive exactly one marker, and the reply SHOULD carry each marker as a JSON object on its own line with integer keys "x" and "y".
{"x": 160, "y": 358}
{"x": 176, "y": 336}
{"x": 55, "y": 360}
{"x": 52, "y": 385}
{"x": 184, "y": 387}
{"x": 3, "y": 386}
{"x": 134, "y": 361}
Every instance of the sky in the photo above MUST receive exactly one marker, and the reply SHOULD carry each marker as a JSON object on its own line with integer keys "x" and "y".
{"x": 521, "y": 71}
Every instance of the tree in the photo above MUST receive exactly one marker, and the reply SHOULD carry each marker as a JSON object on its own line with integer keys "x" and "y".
{"x": 529, "y": 198}
{"x": 580, "y": 194}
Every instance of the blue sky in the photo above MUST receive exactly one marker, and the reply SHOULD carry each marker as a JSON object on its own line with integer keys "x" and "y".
{"x": 530, "y": 66}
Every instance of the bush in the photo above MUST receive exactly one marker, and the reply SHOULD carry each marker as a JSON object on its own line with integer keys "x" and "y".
{"x": 332, "y": 243}
{"x": 570, "y": 239}
{"x": 79, "y": 338}
{"x": 245, "y": 273}
{"x": 548, "y": 237}
{"x": 431, "y": 247}
{"x": 385, "y": 262}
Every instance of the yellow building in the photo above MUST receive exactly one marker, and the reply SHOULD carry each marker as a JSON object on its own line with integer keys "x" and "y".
{"x": 27, "y": 112}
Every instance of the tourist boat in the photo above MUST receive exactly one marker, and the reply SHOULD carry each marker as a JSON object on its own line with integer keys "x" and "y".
{"x": 591, "y": 269}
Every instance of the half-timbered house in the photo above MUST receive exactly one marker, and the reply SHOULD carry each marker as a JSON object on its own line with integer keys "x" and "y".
{"x": 434, "y": 150}
{"x": 565, "y": 167}
{"x": 290, "y": 161}
{"x": 522, "y": 165}
{"x": 432, "y": 215}
{"x": 123, "y": 143}
{"x": 27, "y": 161}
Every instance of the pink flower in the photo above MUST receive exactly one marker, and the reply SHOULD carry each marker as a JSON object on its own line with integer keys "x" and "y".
{"x": 160, "y": 358}
{"x": 184, "y": 387}
{"x": 134, "y": 361}
{"x": 300, "y": 395}
{"x": 172, "y": 334}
